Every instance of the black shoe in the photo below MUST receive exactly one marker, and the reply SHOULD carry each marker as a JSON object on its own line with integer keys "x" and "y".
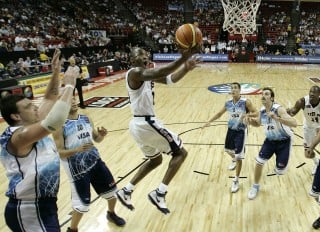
{"x": 114, "y": 218}
{"x": 82, "y": 106}
{"x": 316, "y": 224}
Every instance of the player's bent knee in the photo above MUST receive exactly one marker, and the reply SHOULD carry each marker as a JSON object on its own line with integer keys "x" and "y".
{"x": 181, "y": 152}
{"x": 155, "y": 162}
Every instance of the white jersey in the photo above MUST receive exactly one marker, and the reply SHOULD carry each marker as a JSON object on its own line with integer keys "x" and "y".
{"x": 141, "y": 99}
{"x": 311, "y": 114}
{"x": 35, "y": 175}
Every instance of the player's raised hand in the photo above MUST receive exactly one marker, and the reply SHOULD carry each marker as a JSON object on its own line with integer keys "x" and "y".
{"x": 56, "y": 62}
{"x": 192, "y": 62}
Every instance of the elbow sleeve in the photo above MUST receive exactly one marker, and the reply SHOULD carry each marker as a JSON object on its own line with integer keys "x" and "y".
{"x": 57, "y": 116}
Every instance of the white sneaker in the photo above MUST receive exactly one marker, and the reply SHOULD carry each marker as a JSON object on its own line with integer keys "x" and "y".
{"x": 158, "y": 199}
{"x": 314, "y": 170}
{"x": 235, "y": 186}
{"x": 232, "y": 165}
{"x": 253, "y": 192}
{"x": 124, "y": 197}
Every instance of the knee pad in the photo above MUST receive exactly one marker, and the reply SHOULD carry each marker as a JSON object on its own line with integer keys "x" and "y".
{"x": 230, "y": 152}
{"x": 280, "y": 171}
{"x": 108, "y": 195}
{"x": 260, "y": 161}
{"x": 81, "y": 208}
{"x": 239, "y": 156}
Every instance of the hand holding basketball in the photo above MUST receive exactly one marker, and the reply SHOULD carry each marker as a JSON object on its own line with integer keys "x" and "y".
{"x": 188, "y": 36}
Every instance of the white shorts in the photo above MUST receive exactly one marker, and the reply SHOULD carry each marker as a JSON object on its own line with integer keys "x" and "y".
{"x": 308, "y": 135}
{"x": 152, "y": 137}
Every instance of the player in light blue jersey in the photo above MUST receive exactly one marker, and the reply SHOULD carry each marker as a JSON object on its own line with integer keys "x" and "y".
{"x": 84, "y": 167}
{"x": 276, "y": 122}
{"x": 30, "y": 156}
{"x": 237, "y": 107}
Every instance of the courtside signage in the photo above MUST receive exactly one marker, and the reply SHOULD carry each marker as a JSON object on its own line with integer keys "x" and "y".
{"x": 204, "y": 57}
{"x": 107, "y": 102}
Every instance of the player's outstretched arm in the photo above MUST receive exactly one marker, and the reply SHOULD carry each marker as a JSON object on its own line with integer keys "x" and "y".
{"x": 297, "y": 107}
{"x": 285, "y": 118}
{"x": 215, "y": 117}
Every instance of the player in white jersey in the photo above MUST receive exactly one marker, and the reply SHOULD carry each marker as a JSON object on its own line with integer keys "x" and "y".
{"x": 311, "y": 109}
{"x": 237, "y": 107}
{"x": 30, "y": 157}
{"x": 311, "y": 123}
{"x": 276, "y": 122}
{"x": 84, "y": 167}
{"x": 148, "y": 132}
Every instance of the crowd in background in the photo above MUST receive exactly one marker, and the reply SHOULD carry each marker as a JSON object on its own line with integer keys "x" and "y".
{"x": 40, "y": 26}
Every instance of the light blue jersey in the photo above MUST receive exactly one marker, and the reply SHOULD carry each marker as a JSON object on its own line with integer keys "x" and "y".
{"x": 35, "y": 175}
{"x": 236, "y": 110}
{"x": 274, "y": 130}
{"x": 77, "y": 132}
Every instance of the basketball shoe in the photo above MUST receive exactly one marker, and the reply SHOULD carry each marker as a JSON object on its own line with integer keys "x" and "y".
{"x": 158, "y": 199}
{"x": 124, "y": 197}
{"x": 253, "y": 192}
{"x": 316, "y": 224}
{"x": 114, "y": 218}
{"x": 235, "y": 186}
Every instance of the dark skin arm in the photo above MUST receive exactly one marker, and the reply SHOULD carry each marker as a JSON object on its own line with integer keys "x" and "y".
{"x": 297, "y": 107}
{"x": 140, "y": 74}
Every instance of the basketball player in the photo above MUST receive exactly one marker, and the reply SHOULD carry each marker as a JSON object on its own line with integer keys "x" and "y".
{"x": 30, "y": 156}
{"x": 237, "y": 107}
{"x": 148, "y": 132}
{"x": 315, "y": 189}
{"x": 311, "y": 124}
{"x": 84, "y": 166}
{"x": 277, "y": 123}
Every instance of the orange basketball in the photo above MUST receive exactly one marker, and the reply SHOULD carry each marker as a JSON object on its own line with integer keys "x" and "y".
{"x": 188, "y": 36}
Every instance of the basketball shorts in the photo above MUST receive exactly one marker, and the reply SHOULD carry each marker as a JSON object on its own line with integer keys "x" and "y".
{"x": 235, "y": 142}
{"x": 31, "y": 215}
{"x": 316, "y": 182}
{"x": 152, "y": 138}
{"x": 101, "y": 179}
{"x": 282, "y": 150}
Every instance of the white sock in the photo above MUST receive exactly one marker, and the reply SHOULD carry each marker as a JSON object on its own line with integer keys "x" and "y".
{"x": 315, "y": 160}
{"x": 162, "y": 188}
{"x": 236, "y": 178}
{"x": 129, "y": 187}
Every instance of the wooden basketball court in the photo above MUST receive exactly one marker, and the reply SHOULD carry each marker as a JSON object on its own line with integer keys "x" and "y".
{"x": 199, "y": 197}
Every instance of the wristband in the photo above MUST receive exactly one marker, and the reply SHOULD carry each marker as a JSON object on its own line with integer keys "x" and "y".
{"x": 169, "y": 80}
